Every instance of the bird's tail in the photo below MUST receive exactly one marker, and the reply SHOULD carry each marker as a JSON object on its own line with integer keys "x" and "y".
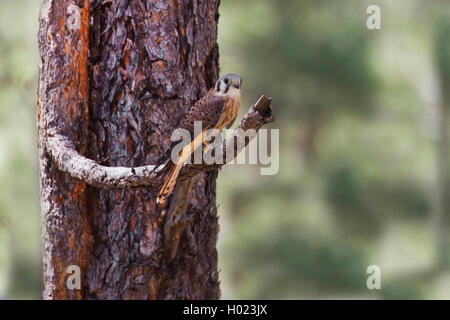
{"x": 171, "y": 178}
{"x": 164, "y": 158}
{"x": 169, "y": 183}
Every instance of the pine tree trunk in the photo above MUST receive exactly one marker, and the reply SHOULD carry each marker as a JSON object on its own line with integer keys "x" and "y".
{"x": 117, "y": 85}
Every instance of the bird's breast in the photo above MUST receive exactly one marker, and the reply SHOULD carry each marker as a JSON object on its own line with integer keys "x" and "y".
{"x": 230, "y": 112}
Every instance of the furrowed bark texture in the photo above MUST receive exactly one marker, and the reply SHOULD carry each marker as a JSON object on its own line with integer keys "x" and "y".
{"x": 116, "y": 88}
{"x": 150, "y": 61}
{"x": 62, "y": 106}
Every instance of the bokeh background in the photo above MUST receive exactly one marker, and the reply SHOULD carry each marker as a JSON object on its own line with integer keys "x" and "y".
{"x": 364, "y": 170}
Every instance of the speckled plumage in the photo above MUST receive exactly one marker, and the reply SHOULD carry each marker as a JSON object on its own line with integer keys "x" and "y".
{"x": 207, "y": 110}
{"x": 217, "y": 109}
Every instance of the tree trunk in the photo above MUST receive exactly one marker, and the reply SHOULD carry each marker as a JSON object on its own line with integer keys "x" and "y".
{"x": 116, "y": 85}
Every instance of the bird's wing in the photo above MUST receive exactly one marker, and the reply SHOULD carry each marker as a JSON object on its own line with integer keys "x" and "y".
{"x": 208, "y": 110}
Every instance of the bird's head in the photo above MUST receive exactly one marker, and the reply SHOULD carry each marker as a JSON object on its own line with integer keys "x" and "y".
{"x": 228, "y": 84}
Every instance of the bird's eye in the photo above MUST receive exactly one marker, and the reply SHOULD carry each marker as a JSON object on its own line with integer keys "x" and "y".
{"x": 226, "y": 80}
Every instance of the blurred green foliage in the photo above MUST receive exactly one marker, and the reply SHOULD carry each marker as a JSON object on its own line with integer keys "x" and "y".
{"x": 357, "y": 179}
{"x": 20, "y": 250}
{"x": 358, "y": 173}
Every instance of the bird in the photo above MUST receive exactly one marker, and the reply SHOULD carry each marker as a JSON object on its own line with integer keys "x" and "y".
{"x": 217, "y": 109}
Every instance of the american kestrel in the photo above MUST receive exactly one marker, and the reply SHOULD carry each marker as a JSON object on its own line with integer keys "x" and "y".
{"x": 216, "y": 110}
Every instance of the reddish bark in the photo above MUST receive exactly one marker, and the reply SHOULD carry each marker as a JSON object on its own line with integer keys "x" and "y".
{"x": 63, "y": 106}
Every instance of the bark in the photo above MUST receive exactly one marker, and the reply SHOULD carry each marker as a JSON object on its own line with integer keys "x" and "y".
{"x": 63, "y": 105}
{"x": 110, "y": 95}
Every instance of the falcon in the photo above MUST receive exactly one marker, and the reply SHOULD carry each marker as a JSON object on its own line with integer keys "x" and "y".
{"x": 216, "y": 110}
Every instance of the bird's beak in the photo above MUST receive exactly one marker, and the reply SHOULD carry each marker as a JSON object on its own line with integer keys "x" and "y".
{"x": 236, "y": 84}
